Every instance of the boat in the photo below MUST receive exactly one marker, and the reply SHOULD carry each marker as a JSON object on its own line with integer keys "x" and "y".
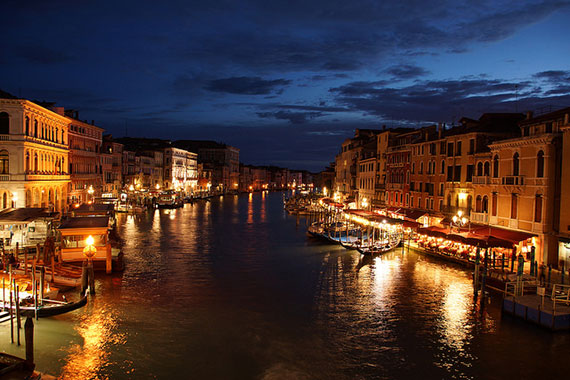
{"x": 169, "y": 199}
{"x": 379, "y": 247}
{"x": 49, "y": 308}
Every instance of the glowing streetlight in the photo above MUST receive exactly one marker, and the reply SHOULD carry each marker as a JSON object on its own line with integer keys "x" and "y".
{"x": 325, "y": 191}
{"x": 157, "y": 186}
{"x": 364, "y": 203}
{"x": 90, "y": 191}
{"x": 14, "y": 199}
{"x": 89, "y": 250}
{"x": 131, "y": 188}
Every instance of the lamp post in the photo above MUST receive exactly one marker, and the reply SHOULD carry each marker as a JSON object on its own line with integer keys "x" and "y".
{"x": 458, "y": 220}
{"x": 90, "y": 191}
{"x": 88, "y": 275}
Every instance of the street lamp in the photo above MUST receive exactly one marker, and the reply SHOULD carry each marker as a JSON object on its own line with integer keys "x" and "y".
{"x": 89, "y": 250}
{"x": 90, "y": 191}
{"x": 364, "y": 203}
{"x": 458, "y": 220}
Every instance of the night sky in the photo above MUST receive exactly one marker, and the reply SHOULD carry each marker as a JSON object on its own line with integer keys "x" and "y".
{"x": 285, "y": 81}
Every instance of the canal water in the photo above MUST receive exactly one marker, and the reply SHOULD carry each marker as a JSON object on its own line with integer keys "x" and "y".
{"x": 233, "y": 288}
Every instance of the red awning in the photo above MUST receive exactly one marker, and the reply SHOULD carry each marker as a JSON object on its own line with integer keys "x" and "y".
{"x": 512, "y": 236}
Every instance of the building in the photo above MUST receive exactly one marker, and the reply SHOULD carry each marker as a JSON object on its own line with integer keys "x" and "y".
{"x": 346, "y": 162}
{"x": 85, "y": 166}
{"x": 34, "y": 155}
{"x": 115, "y": 149}
{"x": 564, "y": 225}
{"x": 220, "y": 159}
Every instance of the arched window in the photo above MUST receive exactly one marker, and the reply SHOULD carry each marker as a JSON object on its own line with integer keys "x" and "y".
{"x": 540, "y": 164}
{"x": 469, "y": 203}
{"x": 486, "y": 168}
{"x": 4, "y": 123}
{"x": 485, "y": 205}
{"x": 496, "y": 166}
{"x": 36, "y": 167}
{"x": 4, "y": 162}
{"x": 408, "y": 176}
{"x": 27, "y": 126}
{"x": 478, "y": 204}
{"x": 516, "y": 164}
{"x": 56, "y": 135}
{"x": 538, "y": 208}
{"x": 35, "y": 128}
{"x": 480, "y": 169}
{"x": 27, "y": 168}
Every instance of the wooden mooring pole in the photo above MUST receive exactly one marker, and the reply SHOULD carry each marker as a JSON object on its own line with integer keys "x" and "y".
{"x": 29, "y": 334}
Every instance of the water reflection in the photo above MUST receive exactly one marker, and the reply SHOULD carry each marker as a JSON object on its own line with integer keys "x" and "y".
{"x": 98, "y": 328}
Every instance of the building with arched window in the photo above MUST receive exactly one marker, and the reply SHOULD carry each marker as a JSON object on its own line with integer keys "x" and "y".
{"x": 33, "y": 161}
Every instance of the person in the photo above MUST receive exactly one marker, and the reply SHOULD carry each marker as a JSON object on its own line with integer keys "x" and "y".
{"x": 542, "y": 274}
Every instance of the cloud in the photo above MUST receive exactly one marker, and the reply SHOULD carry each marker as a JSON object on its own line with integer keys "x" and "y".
{"x": 292, "y": 117}
{"x": 403, "y": 72}
{"x": 246, "y": 85}
{"x": 448, "y": 100}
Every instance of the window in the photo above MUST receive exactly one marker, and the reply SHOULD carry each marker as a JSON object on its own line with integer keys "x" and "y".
{"x": 421, "y": 167}
{"x": 413, "y": 167}
{"x": 4, "y": 162}
{"x": 449, "y": 173}
{"x": 412, "y": 202}
{"x": 514, "y": 206}
{"x": 407, "y": 199}
{"x": 449, "y": 149}
{"x": 471, "y": 146}
{"x": 478, "y": 203}
{"x": 442, "y": 166}
{"x": 441, "y": 205}
{"x": 525, "y": 131}
{"x": 480, "y": 169}
{"x": 457, "y": 174}
{"x": 496, "y": 166}
{"x": 538, "y": 208}
{"x": 548, "y": 127}
{"x": 442, "y": 147}
{"x": 540, "y": 164}
{"x": 486, "y": 168}
{"x": 469, "y": 173}
{"x": 4, "y": 123}
{"x": 27, "y": 126}
{"x": 441, "y": 190}
{"x": 516, "y": 164}
{"x": 458, "y": 149}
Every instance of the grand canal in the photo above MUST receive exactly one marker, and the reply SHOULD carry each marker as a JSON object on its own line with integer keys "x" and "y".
{"x": 233, "y": 288}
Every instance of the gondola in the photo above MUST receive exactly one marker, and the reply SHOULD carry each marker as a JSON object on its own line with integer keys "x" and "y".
{"x": 51, "y": 308}
{"x": 378, "y": 249}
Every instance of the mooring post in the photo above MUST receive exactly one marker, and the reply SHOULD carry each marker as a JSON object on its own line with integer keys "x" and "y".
{"x": 18, "y": 321}
{"x": 29, "y": 334}
{"x": 91, "y": 277}
{"x": 83, "y": 277}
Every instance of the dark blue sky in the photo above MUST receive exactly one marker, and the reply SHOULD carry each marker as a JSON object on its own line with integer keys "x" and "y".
{"x": 285, "y": 81}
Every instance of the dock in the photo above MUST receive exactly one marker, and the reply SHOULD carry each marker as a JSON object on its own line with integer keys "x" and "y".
{"x": 548, "y": 311}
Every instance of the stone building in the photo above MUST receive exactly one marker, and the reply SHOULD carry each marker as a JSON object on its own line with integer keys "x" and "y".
{"x": 34, "y": 155}
{"x": 85, "y": 166}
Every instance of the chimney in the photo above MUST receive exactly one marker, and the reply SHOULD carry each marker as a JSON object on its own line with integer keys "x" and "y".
{"x": 529, "y": 115}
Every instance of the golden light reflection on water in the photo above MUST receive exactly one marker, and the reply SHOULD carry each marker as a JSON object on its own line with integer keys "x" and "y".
{"x": 456, "y": 306}
{"x": 99, "y": 332}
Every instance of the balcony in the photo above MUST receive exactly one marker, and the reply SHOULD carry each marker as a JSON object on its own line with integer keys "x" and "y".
{"x": 513, "y": 180}
{"x": 394, "y": 186}
{"x": 480, "y": 217}
{"x": 4, "y": 137}
{"x": 47, "y": 177}
{"x": 4, "y": 177}
{"x": 481, "y": 180}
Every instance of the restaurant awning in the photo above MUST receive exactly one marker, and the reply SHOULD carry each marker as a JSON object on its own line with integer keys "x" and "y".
{"x": 512, "y": 236}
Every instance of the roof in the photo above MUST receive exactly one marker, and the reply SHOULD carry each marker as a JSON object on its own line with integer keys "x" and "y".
{"x": 85, "y": 222}
{"x": 25, "y": 215}
{"x": 94, "y": 208}
{"x": 546, "y": 117}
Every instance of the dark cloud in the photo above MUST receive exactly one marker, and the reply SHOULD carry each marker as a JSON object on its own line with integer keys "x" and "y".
{"x": 292, "y": 117}
{"x": 403, "y": 72}
{"x": 247, "y": 85}
{"x": 553, "y": 75}
{"x": 448, "y": 100}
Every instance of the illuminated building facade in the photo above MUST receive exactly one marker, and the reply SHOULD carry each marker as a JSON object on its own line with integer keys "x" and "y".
{"x": 34, "y": 155}
{"x": 85, "y": 166}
